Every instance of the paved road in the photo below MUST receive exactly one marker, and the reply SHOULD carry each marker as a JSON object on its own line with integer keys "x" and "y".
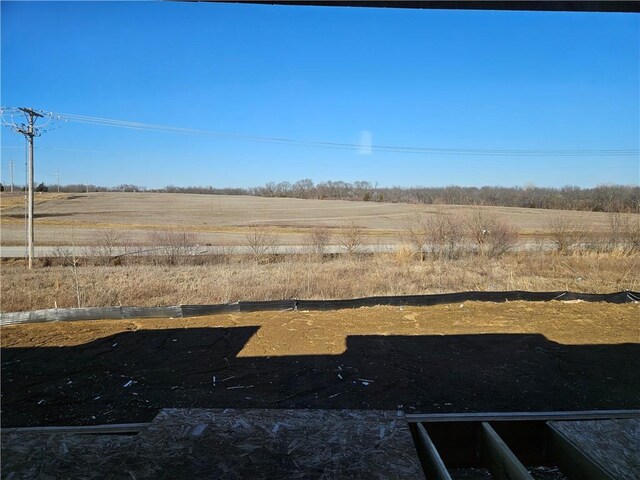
{"x": 51, "y": 251}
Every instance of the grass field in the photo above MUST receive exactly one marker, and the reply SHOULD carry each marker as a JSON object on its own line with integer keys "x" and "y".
{"x": 309, "y": 278}
{"x": 63, "y": 219}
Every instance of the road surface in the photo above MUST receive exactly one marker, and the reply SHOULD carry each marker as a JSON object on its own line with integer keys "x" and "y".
{"x": 55, "y": 251}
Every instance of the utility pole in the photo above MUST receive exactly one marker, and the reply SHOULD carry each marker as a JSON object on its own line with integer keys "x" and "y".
{"x": 58, "y": 178}
{"x": 11, "y": 167}
{"x": 29, "y": 132}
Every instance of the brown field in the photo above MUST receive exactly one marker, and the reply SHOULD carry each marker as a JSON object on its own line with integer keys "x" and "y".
{"x": 63, "y": 219}
{"x": 518, "y": 356}
{"x": 233, "y": 279}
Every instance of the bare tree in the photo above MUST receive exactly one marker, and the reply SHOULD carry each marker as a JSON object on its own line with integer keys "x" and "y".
{"x": 444, "y": 234}
{"x": 491, "y": 237}
{"x": 173, "y": 247}
{"x": 260, "y": 242}
{"x": 451, "y": 235}
{"x": 318, "y": 240}
{"x": 624, "y": 232}
{"x": 70, "y": 259}
{"x": 107, "y": 245}
{"x": 416, "y": 234}
{"x": 438, "y": 233}
{"x": 566, "y": 232}
{"x": 351, "y": 238}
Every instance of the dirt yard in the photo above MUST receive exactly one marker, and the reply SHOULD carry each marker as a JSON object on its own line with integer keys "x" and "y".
{"x": 517, "y": 356}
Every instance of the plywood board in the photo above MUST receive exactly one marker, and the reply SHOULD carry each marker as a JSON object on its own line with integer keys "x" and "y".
{"x": 272, "y": 444}
{"x": 226, "y": 444}
{"x": 613, "y": 445}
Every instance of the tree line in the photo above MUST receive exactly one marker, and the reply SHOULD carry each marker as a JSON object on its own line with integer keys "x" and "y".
{"x": 603, "y": 198}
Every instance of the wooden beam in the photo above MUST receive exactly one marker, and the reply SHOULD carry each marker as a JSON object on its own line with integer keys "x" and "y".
{"x": 118, "y": 428}
{"x": 524, "y": 416}
{"x": 432, "y": 462}
{"x": 573, "y": 462}
{"x": 502, "y": 463}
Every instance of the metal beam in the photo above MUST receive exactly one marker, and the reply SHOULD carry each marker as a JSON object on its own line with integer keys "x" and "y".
{"x": 544, "y": 5}
{"x": 433, "y": 464}
{"x": 574, "y": 462}
{"x": 502, "y": 463}
{"x": 521, "y": 416}
{"x": 118, "y": 428}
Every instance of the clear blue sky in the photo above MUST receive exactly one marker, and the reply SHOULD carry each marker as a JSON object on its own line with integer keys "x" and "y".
{"x": 444, "y": 79}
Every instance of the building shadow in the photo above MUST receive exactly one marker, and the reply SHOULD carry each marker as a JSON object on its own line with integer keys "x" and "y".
{"x": 129, "y": 376}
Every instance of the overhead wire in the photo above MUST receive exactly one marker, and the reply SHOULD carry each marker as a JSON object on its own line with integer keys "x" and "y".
{"x": 69, "y": 117}
{"x": 343, "y": 145}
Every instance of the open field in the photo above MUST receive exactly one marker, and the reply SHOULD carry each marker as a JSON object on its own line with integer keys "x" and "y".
{"x": 65, "y": 219}
{"x": 519, "y": 356}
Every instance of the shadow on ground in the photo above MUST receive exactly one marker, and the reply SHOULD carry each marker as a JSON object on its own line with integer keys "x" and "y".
{"x": 128, "y": 377}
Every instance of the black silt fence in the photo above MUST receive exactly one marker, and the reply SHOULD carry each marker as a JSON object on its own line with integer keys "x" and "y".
{"x": 179, "y": 311}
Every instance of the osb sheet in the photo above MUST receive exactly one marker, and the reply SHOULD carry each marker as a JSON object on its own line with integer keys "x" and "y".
{"x": 227, "y": 444}
{"x": 58, "y": 456}
{"x": 613, "y": 444}
{"x": 274, "y": 444}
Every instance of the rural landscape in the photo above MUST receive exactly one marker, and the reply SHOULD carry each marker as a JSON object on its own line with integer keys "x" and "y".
{"x": 320, "y": 240}
{"x": 153, "y": 249}
{"x": 150, "y": 249}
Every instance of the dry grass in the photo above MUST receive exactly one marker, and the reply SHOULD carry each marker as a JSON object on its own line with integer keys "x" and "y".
{"x": 16, "y": 200}
{"x": 309, "y": 277}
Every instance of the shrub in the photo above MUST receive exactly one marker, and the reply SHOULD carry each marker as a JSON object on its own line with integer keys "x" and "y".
{"x": 318, "y": 240}
{"x": 260, "y": 242}
{"x": 566, "y": 233}
{"x": 351, "y": 238}
{"x": 173, "y": 248}
{"x": 440, "y": 234}
{"x": 491, "y": 237}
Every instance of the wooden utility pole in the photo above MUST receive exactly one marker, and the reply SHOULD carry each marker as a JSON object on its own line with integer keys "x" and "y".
{"x": 29, "y": 132}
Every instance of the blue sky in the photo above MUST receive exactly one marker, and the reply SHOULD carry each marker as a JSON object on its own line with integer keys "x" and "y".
{"x": 442, "y": 79}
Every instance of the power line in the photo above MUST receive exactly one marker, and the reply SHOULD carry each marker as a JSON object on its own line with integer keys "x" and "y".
{"x": 386, "y": 148}
{"x": 68, "y": 117}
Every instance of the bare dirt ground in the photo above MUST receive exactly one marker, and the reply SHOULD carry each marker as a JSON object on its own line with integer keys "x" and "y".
{"x": 451, "y": 358}
{"x": 65, "y": 219}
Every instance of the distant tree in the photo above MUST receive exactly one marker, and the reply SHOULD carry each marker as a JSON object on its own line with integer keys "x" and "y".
{"x": 126, "y": 187}
{"x": 608, "y": 198}
{"x": 42, "y": 188}
{"x": 303, "y": 188}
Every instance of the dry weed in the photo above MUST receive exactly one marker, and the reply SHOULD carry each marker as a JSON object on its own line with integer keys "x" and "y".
{"x": 308, "y": 277}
